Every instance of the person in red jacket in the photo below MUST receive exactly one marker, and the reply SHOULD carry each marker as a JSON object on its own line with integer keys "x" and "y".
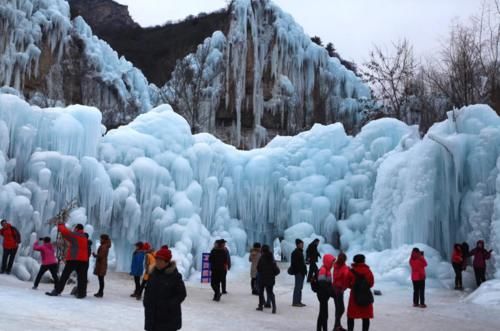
{"x": 479, "y": 262}
{"x": 77, "y": 258}
{"x": 457, "y": 260}
{"x": 340, "y": 284}
{"x": 418, "y": 265}
{"x": 10, "y": 244}
{"x": 355, "y": 310}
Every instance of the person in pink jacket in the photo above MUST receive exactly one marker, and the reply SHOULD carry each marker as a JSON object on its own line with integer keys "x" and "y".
{"x": 49, "y": 261}
{"x": 418, "y": 265}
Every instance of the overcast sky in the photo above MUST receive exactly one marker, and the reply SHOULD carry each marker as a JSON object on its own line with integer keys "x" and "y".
{"x": 352, "y": 25}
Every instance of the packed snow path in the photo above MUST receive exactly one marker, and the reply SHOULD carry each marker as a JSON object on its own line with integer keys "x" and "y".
{"x": 25, "y": 309}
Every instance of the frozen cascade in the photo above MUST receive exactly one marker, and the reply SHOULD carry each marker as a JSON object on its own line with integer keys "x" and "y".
{"x": 52, "y": 60}
{"x": 276, "y": 80}
{"x": 153, "y": 180}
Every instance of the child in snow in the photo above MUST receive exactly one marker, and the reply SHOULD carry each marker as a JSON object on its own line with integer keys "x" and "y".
{"x": 324, "y": 290}
{"x": 49, "y": 261}
{"x": 137, "y": 267}
{"x": 418, "y": 265}
{"x": 457, "y": 263}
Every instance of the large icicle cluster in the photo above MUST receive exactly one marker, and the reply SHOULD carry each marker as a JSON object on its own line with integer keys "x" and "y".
{"x": 275, "y": 80}
{"x": 153, "y": 180}
{"x": 52, "y": 60}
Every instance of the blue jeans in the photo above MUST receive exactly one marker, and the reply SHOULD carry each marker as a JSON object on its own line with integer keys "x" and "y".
{"x": 297, "y": 290}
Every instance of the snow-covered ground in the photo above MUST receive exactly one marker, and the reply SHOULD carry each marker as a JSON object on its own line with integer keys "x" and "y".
{"x": 25, "y": 309}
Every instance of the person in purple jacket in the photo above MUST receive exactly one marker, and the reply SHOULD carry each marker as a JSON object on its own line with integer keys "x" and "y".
{"x": 479, "y": 262}
{"x": 49, "y": 261}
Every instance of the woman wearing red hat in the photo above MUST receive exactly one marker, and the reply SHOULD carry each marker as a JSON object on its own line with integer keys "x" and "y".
{"x": 165, "y": 291}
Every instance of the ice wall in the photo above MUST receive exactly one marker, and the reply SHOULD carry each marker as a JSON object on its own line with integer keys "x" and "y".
{"x": 273, "y": 80}
{"x": 153, "y": 180}
{"x": 52, "y": 60}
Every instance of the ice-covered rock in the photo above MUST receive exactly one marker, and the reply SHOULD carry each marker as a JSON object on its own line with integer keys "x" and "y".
{"x": 152, "y": 180}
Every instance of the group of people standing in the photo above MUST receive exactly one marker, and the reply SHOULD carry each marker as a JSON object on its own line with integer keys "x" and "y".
{"x": 459, "y": 261}
{"x": 331, "y": 281}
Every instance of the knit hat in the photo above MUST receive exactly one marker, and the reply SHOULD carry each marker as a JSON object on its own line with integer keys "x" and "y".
{"x": 298, "y": 241}
{"x": 146, "y": 246}
{"x": 164, "y": 254}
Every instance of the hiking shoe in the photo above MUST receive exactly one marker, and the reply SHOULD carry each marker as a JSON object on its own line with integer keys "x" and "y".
{"x": 297, "y": 305}
{"x": 225, "y": 292}
{"x": 259, "y": 308}
{"x": 415, "y": 305}
{"x": 133, "y": 295}
{"x": 52, "y": 294}
{"x": 423, "y": 306}
{"x": 34, "y": 287}
{"x": 98, "y": 295}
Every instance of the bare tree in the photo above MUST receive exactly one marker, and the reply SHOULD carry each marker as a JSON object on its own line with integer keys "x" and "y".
{"x": 390, "y": 75}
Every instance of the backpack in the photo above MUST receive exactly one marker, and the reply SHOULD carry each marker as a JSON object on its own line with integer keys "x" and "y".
{"x": 363, "y": 296}
{"x": 16, "y": 234}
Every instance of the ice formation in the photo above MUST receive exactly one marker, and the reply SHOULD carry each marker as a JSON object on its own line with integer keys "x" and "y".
{"x": 267, "y": 76}
{"x": 52, "y": 60}
{"x": 153, "y": 180}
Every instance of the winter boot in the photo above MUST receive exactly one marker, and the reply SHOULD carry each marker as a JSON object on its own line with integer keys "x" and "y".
{"x": 54, "y": 293}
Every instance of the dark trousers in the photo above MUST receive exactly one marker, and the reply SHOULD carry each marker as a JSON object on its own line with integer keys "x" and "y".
{"x": 457, "y": 267}
{"x": 43, "y": 269}
{"x": 419, "y": 292}
{"x": 101, "y": 284}
{"x": 270, "y": 295}
{"x": 142, "y": 287}
{"x": 81, "y": 275}
{"x": 253, "y": 285}
{"x": 322, "y": 324}
{"x": 313, "y": 270}
{"x": 223, "y": 282}
{"x": 137, "y": 281}
{"x": 215, "y": 282}
{"x": 338, "y": 299}
{"x": 350, "y": 324}
{"x": 8, "y": 259}
{"x": 297, "y": 289}
{"x": 480, "y": 274}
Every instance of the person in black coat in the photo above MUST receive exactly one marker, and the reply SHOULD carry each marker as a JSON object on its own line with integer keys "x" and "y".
{"x": 267, "y": 270}
{"x": 218, "y": 264}
{"x": 165, "y": 291}
{"x": 299, "y": 270}
{"x": 312, "y": 257}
